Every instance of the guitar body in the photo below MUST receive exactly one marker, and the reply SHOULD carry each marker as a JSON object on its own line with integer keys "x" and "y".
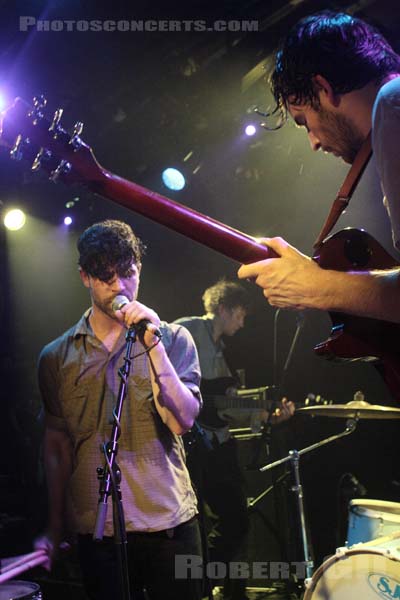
{"x": 357, "y": 338}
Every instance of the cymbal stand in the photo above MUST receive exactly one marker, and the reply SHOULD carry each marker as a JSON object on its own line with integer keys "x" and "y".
{"x": 294, "y": 458}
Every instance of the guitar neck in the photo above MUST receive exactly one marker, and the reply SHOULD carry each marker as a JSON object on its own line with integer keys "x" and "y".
{"x": 257, "y": 401}
{"x": 203, "y": 229}
{"x": 235, "y": 402}
{"x": 72, "y": 161}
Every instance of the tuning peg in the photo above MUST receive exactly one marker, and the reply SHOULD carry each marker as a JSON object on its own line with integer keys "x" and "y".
{"x": 75, "y": 140}
{"x": 56, "y": 121}
{"x": 39, "y": 102}
{"x": 78, "y": 128}
{"x": 16, "y": 151}
{"x": 63, "y": 168}
{"x": 41, "y": 156}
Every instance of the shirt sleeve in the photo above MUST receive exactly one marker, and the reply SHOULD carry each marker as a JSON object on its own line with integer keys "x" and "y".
{"x": 386, "y": 135}
{"x": 49, "y": 385}
{"x": 182, "y": 353}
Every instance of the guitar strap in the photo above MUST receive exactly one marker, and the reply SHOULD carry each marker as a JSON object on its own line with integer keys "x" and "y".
{"x": 346, "y": 190}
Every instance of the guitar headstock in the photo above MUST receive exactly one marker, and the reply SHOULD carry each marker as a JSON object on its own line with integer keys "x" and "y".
{"x": 31, "y": 136}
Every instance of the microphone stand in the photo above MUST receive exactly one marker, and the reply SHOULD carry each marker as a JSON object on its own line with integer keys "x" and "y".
{"x": 110, "y": 478}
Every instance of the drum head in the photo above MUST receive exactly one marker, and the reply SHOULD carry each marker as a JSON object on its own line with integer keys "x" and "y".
{"x": 20, "y": 590}
{"x": 356, "y": 574}
{"x": 374, "y": 508}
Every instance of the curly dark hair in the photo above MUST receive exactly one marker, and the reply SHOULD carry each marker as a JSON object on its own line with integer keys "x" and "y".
{"x": 109, "y": 248}
{"x": 228, "y": 293}
{"x": 345, "y": 50}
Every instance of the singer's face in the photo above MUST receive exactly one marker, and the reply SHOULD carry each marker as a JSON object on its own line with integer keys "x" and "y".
{"x": 103, "y": 292}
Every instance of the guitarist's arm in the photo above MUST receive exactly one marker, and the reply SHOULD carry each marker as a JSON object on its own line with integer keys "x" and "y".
{"x": 296, "y": 281}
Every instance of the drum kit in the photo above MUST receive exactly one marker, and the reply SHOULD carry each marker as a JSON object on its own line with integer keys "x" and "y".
{"x": 14, "y": 566}
{"x": 368, "y": 566}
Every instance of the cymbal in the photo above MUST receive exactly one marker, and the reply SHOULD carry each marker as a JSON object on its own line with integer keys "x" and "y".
{"x": 356, "y": 409}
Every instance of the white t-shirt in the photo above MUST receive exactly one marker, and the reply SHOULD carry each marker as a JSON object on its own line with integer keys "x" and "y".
{"x": 386, "y": 147}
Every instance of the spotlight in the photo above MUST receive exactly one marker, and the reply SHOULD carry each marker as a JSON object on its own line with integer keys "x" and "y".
{"x": 3, "y": 101}
{"x": 14, "y": 219}
{"x": 173, "y": 179}
{"x": 67, "y": 221}
{"x": 250, "y": 130}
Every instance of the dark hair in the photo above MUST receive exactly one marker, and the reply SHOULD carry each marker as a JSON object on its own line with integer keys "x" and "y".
{"x": 107, "y": 248}
{"x": 348, "y": 52}
{"x": 228, "y": 293}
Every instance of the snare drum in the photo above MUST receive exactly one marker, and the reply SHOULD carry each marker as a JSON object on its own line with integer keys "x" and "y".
{"x": 20, "y": 590}
{"x": 363, "y": 572}
{"x": 370, "y": 519}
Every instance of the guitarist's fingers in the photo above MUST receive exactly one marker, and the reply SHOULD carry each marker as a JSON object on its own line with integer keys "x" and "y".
{"x": 278, "y": 244}
{"x": 253, "y": 270}
{"x": 281, "y": 247}
{"x": 287, "y": 407}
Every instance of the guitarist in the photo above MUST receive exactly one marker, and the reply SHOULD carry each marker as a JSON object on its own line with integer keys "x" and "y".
{"x": 338, "y": 78}
{"x": 216, "y": 472}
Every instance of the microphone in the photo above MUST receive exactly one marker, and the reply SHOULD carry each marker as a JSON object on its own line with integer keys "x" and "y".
{"x": 140, "y": 327}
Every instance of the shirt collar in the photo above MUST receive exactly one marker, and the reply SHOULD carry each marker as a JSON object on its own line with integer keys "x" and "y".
{"x": 83, "y": 326}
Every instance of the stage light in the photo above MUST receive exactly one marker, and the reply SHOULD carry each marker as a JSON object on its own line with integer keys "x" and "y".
{"x": 173, "y": 179}
{"x": 67, "y": 221}
{"x": 14, "y": 219}
{"x": 250, "y": 130}
{"x": 3, "y": 101}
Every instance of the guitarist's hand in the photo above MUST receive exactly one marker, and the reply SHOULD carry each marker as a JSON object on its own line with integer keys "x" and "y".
{"x": 292, "y": 280}
{"x": 284, "y": 411}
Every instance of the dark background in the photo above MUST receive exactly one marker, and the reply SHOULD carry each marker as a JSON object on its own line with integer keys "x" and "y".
{"x": 147, "y": 101}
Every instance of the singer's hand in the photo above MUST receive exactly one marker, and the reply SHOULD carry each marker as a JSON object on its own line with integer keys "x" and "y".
{"x": 291, "y": 281}
{"x": 134, "y": 312}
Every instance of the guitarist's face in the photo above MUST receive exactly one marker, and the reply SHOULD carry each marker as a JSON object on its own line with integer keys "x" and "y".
{"x": 232, "y": 319}
{"x": 332, "y": 123}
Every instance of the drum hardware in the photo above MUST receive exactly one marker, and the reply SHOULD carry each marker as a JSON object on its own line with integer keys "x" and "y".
{"x": 294, "y": 458}
{"x": 244, "y": 433}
